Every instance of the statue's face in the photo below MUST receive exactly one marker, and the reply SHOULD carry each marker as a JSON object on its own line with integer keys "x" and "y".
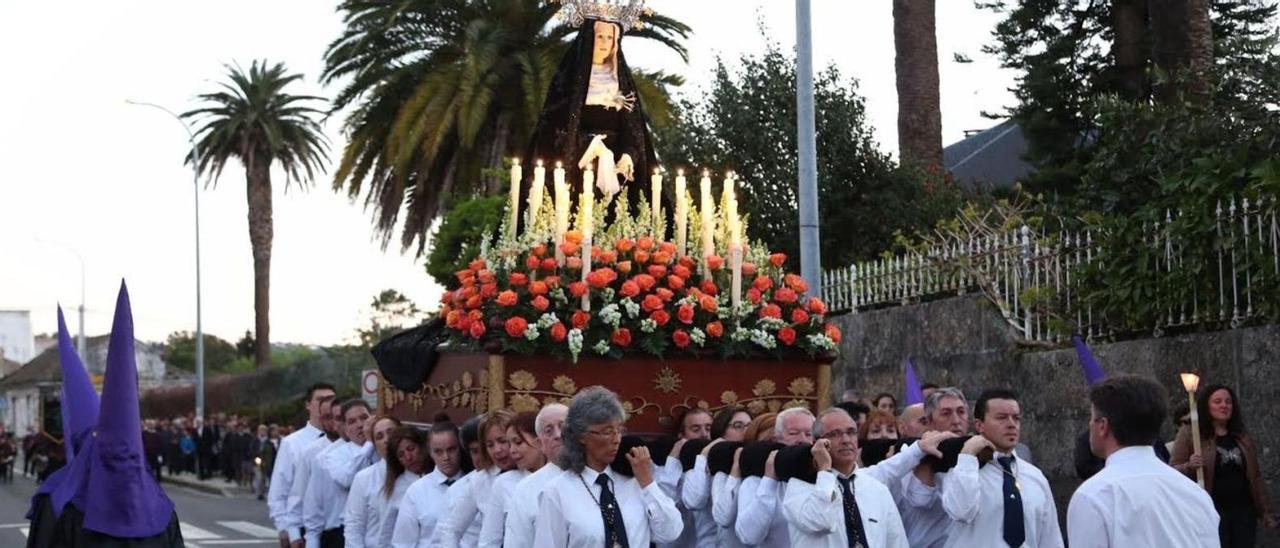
{"x": 606, "y": 37}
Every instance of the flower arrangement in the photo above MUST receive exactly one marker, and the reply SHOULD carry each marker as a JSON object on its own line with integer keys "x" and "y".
{"x": 621, "y": 290}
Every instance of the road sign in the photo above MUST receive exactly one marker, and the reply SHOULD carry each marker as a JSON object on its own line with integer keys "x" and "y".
{"x": 370, "y": 381}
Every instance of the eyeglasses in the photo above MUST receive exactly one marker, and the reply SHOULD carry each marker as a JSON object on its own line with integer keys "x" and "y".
{"x": 738, "y": 425}
{"x": 610, "y": 432}
{"x": 837, "y": 434}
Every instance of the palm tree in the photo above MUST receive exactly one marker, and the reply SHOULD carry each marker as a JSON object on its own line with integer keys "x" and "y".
{"x": 441, "y": 90}
{"x": 916, "y": 65}
{"x": 1182, "y": 49}
{"x": 255, "y": 121}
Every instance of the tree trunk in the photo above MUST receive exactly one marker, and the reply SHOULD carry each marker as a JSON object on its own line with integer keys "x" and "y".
{"x": 919, "y": 111}
{"x": 1129, "y": 23}
{"x": 1183, "y": 48}
{"x": 497, "y": 147}
{"x": 261, "y": 233}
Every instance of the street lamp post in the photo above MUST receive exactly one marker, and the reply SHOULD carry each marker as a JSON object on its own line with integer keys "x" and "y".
{"x": 79, "y": 338}
{"x": 806, "y": 139}
{"x": 195, "y": 179}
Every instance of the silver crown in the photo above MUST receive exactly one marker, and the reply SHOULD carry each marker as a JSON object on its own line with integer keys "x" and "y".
{"x": 625, "y": 13}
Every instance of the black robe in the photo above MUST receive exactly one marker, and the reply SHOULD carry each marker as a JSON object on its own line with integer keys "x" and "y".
{"x": 69, "y": 532}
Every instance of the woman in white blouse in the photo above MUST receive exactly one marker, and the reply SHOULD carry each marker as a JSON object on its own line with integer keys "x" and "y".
{"x": 469, "y": 499}
{"x": 590, "y": 505}
{"x": 375, "y": 493}
{"x": 528, "y": 458}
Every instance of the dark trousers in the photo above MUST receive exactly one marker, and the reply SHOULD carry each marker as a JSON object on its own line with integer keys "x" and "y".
{"x": 1238, "y": 527}
{"x": 332, "y": 538}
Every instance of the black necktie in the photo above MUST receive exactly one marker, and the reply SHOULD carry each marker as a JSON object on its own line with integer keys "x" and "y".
{"x": 449, "y": 481}
{"x": 852, "y": 518}
{"x": 1014, "y": 530}
{"x": 615, "y": 530}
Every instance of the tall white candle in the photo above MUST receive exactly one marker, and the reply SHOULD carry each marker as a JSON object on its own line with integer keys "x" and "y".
{"x": 682, "y": 213}
{"x": 535, "y": 193}
{"x": 514, "y": 206}
{"x": 655, "y": 203}
{"x": 708, "y": 222}
{"x": 587, "y": 224}
{"x": 735, "y": 240}
{"x": 562, "y": 209}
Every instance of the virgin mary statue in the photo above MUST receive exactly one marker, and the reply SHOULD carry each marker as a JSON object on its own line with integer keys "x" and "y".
{"x": 592, "y": 117}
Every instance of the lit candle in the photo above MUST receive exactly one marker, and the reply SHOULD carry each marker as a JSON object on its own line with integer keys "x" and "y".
{"x": 516, "y": 174}
{"x": 535, "y": 193}
{"x": 655, "y": 203}
{"x": 708, "y": 222}
{"x": 735, "y": 240}
{"x": 562, "y": 210}
{"x": 682, "y": 213}
{"x": 586, "y": 224}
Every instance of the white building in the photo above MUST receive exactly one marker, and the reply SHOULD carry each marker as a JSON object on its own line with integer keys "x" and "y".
{"x": 16, "y": 340}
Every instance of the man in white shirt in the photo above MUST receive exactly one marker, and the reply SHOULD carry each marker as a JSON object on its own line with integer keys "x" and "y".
{"x": 699, "y": 527}
{"x": 325, "y": 499}
{"x": 1136, "y": 500}
{"x": 424, "y": 504}
{"x": 845, "y": 506}
{"x": 919, "y": 503}
{"x": 522, "y": 511}
{"x": 760, "y": 522}
{"x": 1008, "y": 500}
{"x": 319, "y": 396}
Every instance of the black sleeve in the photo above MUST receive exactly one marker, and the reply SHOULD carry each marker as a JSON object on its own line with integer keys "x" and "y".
{"x": 1086, "y": 463}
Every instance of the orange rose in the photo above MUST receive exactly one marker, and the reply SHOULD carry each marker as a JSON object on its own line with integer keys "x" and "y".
{"x": 763, "y": 283}
{"x": 754, "y": 296}
{"x": 688, "y": 262}
{"x": 517, "y": 279}
{"x": 573, "y": 236}
{"x": 624, "y": 245}
{"x": 715, "y": 329}
{"x": 466, "y": 277}
{"x": 645, "y": 243}
{"x": 709, "y": 304}
{"x": 597, "y": 279}
{"x": 680, "y": 338}
{"x": 651, "y": 303}
{"x": 816, "y": 306}
{"x": 785, "y": 295}
{"x": 577, "y": 289}
{"x": 548, "y": 265}
{"x": 685, "y": 314}
{"x": 664, "y": 294}
{"x": 668, "y": 248}
{"x": 645, "y": 281}
{"x": 539, "y": 287}
{"x": 540, "y": 303}
{"x": 833, "y": 333}
{"x": 771, "y": 311}
{"x": 569, "y": 249}
{"x": 474, "y": 301}
{"x": 487, "y": 291}
{"x": 796, "y": 283}
{"x": 799, "y": 316}
{"x": 532, "y": 262}
{"x": 516, "y": 326}
{"x": 552, "y": 281}
{"x": 748, "y": 269}
{"x": 657, "y": 270}
{"x": 540, "y": 250}
{"x": 477, "y": 264}
{"x": 675, "y": 282}
{"x": 661, "y": 257}
{"x": 608, "y": 257}
{"x": 715, "y": 262}
{"x": 475, "y": 315}
{"x": 660, "y": 317}
{"x": 486, "y": 276}
{"x": 451, "y": 319}
{"x": 559, "y": 331}
{"x": 624, "y": 267}
{"x": 464, "y": 324}
{"x": 709, "y": 287}
{"x": 682, "y": 271}
{"x": 778, "y": 259}
{"x": 629, "y": 289}
{"x": 476, "y": 330}
{"x": 573, "y": 263}
{"x": 580, "y": 319}
{"x": 622, "y": 337}
{"x": 787, "y": 335}
{"x": 507, "y": 298}
{"x": 641, "y": 256}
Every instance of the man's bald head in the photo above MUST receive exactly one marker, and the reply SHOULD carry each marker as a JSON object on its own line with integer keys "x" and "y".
{"x": 914, "y": 422}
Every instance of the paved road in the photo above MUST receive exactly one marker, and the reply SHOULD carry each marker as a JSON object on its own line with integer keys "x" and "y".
{"x": 207, "y": 520}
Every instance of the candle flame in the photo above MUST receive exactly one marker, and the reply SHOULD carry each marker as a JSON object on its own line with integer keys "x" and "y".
{"x": 559, "y": 164}
{"x": 680, "y": 172}
{"x": 539, "y": 162}
{"x": 1190, "y": 381}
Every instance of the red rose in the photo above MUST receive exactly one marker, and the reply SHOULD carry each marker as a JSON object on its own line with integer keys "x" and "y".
{"x": 657, "y": 270}
{"x": 476, "y": 330}
{"x": 608, "y": 257}
{"x": 667, "y": 247}
{"x": 660, "y": 317}
{"x": 787, "y": 335}
{"x": 559, "y": 331}
{"x": 540, "y": 250}
{"x": 796, "y": 283}
{"x": 539, "y": 287}
{"x": 516, "y": 326}
{"x": 624, "y": 245}
{"x": 715, "y": 329}
{"x": 715, "y": 262}
{"x": 598, "y": 279}
{"x": 486, "y": 276}
{"x": 709, "y": 287}
{"x": 688, "y": 262}
{"x": 778, "y": 259}
{"x": 763, "y": 283}
{"x": 645, "y": 243}
{"x": 833, "y": 333}
{"x": 680, "y": 338}
{"x": 799, "y": 316}
{"x": 754, "y": 296}
{"x": 465, "y": 277}
{"x": 641, "y": 256}
{"x": 532, "y": 262}
{"x": 552, "y": 281}
{"x": 664, "y": 294}
{"x": 709, "y": 304}
{"x": 685, "y": 314}
{"x": 645, "y": 281}
{"x": 629, "y": 289}
{"x": 507, "y": 298}
{"x": 651, "y": 303}
{"x": 748, "y": 269}
{"x": 817, "y": 306}
{"x": 475, "y": 301}
{"x": 771, "y": 311}
{"x": 681, "y": 271}
{"x": 464, "y": 323}
{"x": 622, "y": 337}
{"x": 785, "y": 295}
{"x": 541, "y": 303}
{"x": 475, "y": 315}
{"x": 578, "y": 289}
{"x": 487, "y": 291}
{"x": 517, "y": 279}
{"x": 548, "y": 265}
{"x": 675, "y": 282}
{"x": 580, "y": 319}
{"x": 476, "y": 264}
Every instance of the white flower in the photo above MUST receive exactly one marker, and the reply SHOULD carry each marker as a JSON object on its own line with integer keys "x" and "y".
{"x": 601, "y": 347}
{"x": 547, "y": 320}
{"x": 763, "y": 339}
{"x": 822, "y": 341}
{"x": 559, "y": 296}
{"x": 633, "y": 308}
{"x": 610, "y": 315}
{"x": 697, "y": 336}
{"x": 648, "y": 325}
{"x": 531, "y": 332}
{"x": 770, "y": 324}
{"x": 575, "y": 343}
{"x": 607, "y": 294}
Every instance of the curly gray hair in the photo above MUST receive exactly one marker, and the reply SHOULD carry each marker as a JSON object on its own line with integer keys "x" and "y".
{"x": 592, "y": 406}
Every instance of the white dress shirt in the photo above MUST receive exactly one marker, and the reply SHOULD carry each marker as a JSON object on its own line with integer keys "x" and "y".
{"x": 343, "y": 463}
{"x": 302, "y": 478}
{"x": 424, "y": 504}
{"x": 570, "y": 517}
{"x": 815, "y": 512}
{"x": 974, "y": 498}
{"x": 522, "y": 507}
{"x": 370, "y": 515}
{"x": 922, "y": 514}
{"x": 460, "y": 525}
{"x": 724, "y": 509}
{"x": 282, "y": 479}
{"x": 324, "y": 501}
{"x": 695, "y": 494}
{"x": 495, "y": 512}
{"x": 1138, "y": 500}
{"x": 760, "y": 521}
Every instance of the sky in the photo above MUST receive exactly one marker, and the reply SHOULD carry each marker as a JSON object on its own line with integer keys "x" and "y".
{"x": 90, "y": 179}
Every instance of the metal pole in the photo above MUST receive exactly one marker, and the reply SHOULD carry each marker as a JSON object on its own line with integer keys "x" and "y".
{"x": 806, "y": 139}
{"x": 80, "y": 345}
{"x": 195, "y": 179}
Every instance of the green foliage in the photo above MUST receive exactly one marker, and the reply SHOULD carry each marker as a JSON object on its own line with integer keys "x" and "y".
{"x": 440, "y": 90}
{"x": 457, "y": 240}
{"x": 180, "y": 352}
{"x": 247, "y": 345}
{"x": 746, "y": 122}
{"x": 389, "y": 313}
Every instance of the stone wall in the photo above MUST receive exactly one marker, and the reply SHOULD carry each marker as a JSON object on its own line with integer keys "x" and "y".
{"x": 964, "y": 342}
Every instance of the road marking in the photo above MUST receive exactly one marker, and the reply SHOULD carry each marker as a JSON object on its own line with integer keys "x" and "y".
{"x": 24, "y": 531}
{"x": 251, "y": 529}
{"x": 13, "y": 525}
{"x": 191, "y": 532}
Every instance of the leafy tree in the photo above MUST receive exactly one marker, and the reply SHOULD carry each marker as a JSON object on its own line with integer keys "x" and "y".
{"x": 180, "y": 352}
{"x": 245, "y": 346}
{"x": 389, "y": 312}
{"x": 457, "y": 240}
{"x": 254, "y": 120}
{"x": 746, "y": 121}
{"x": 439, "y": 91}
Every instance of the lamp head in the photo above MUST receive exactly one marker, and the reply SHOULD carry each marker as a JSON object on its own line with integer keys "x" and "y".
{"x": 1190, "y": 381}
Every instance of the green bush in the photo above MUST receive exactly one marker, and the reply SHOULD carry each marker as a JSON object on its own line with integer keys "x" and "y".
{"x": 457, "y": 240}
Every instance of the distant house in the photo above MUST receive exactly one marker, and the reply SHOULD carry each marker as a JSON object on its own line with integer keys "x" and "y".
{"x": 991, "y": 158}
{"x": 16, "y": 341}
{"x": 31, "y": 394}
